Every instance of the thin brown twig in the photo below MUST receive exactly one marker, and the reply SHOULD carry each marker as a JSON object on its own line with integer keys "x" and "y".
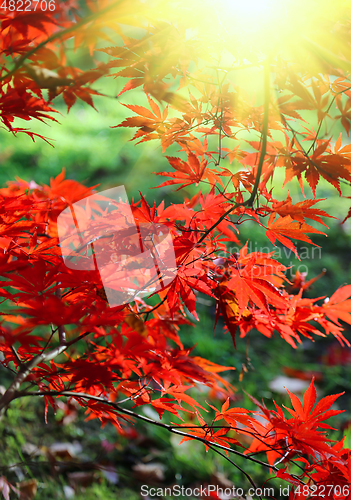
{"x": 248, "y": 477}
{"x": 15, "y": 353}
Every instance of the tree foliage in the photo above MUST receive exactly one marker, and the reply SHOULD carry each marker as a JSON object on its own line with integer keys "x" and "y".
{"x": 186, "y": 61}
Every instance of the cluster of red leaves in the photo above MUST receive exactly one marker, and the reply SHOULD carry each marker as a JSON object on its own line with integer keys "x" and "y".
{"x": 33, "y": 63}
{"x": 135, "y": 351}
{"x": 302, "y": 438}
{"x": 133, "y": 357}
{"x": 299, "y": 440}
{"x": 40, "y": 294}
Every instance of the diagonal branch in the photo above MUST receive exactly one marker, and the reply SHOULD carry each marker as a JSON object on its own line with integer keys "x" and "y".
{"x": 12, "y": 391}
{"x": 170, "y": 428}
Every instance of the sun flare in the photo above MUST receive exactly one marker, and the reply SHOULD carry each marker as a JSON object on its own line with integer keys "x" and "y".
{"x": 267, "y": 27}
{"x": 264, "y": 25}
{"x": 253, "y": 15}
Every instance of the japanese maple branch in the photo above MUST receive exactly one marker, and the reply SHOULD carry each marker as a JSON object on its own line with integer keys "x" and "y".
{"x": 25, "y": 369}
{"x": 130, "y": 413}
{"x": 55, "y": 36}
{"x": 250, "y": 201}
{"x": 171, "y": 428}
